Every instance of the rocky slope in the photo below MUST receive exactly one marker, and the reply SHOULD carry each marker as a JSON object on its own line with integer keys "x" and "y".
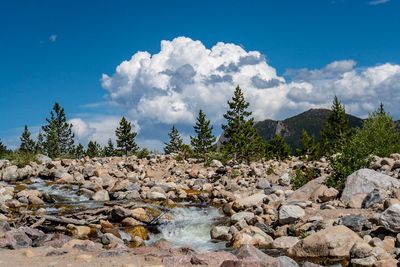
{"x": 110, "y": 207}
{"x": 291, "y": 128}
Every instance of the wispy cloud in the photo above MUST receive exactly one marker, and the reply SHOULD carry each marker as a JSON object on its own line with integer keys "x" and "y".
{"x": 378, "y": 2}
{"x": 53, "y": 38}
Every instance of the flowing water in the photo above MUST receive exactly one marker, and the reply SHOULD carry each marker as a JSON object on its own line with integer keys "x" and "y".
{"x": 191, "y": 227}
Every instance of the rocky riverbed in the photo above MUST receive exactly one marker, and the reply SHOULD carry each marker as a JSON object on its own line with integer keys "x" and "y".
{"x": 161, "y": 212}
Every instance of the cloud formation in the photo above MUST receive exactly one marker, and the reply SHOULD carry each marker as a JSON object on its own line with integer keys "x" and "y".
{"x": 185, "y": 76}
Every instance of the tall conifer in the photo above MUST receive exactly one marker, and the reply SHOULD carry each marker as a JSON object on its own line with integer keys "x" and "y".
{"x": 126, "y": 138}
{"x": 202, "y": 143}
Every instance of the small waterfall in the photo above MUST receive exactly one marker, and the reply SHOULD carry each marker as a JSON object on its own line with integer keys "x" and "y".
{"x": 190, "y": 226}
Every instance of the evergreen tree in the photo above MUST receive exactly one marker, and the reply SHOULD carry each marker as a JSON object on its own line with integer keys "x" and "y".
{"x": 336, "y": 130}
{"x": 79, "y": 151}
{"x": 243, "y": 143}
{"x": 175, "y": 142}
{"x": 109, "y": 150}
{"x": 277, "y": 148}
{"x": 126, "y": 138}
{"x": 378, "y": 136}
{"x": 59, "y": 139}
{"x": 202, "y": 143}
{"x": 93, "y": 149}
{"x": 308, "y": 146}
{"x": 39, "y": 148}
{"x": 3, "y": 150}
{"x": 27, "y": 143}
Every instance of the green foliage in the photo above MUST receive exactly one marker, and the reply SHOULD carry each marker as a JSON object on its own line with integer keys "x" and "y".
{"x": 378, "y": 136}
{"x": 3, "y": 150}
{"x": 79, "y": 151}
{"x": 59, "y": 139}
{"x": 20, "y": 158}
{"x": 217, "y": 156}
{"x": 143, "y": 153}
{"x": 109, "y": 150}
{"x": 126, "y": 138}
{"x": 335, "y": 133}
{"x": 93, "y": 149}
{"x": 27, "y": 143}
{"x": 302, "y": 177}
{"x": 243, "y": 142}
{"x": 203, "y": 142}
{"x": 277, "y": 148}
{"x": 40, "y": 144}
{"x": 175, "y": 142}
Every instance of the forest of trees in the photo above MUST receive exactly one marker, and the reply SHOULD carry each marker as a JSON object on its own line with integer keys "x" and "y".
{"x": 348, "y": 149}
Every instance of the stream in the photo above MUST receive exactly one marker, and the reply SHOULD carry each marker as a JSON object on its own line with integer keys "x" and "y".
{"x": 190, "y": 226}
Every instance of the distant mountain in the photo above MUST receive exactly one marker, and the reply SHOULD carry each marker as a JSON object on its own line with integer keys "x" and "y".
{"x": 291, "y": 128}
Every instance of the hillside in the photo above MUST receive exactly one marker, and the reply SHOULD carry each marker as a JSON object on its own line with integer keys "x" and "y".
{"x": 291, "y": 128}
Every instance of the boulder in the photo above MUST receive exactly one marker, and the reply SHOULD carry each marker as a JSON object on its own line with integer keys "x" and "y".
{"x": 10, "y": 173}
{"x": 154, "y": 195}
{"x": 285, "y": 242}
{"x": 334, "y": 241}
{"x": 290, "y": 214}
{"x": 365, "y": 181}
{"x": 252, "y": 254}
{"x": 249, "y": 201}
{"x": 306, "y": 191}
{"x": 252, "y": 235}
{"x": 43, "y": 159}
{"x": 101, "y": 195}
{"x": 15, "y": 239}
{"x": 246, "y": 215}
{"x": 220, "y": 233}
{"x": 390, "y": 218}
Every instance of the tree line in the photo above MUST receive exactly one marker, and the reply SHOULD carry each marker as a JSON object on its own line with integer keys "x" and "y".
{"x": 347, "y": 148}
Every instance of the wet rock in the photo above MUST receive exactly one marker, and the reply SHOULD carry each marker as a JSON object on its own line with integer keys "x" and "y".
{"x": 119, "y": 213}
{"x": 390, "y": 218}
{"x": 220, "y": 233}
{"x": 290, "y": 214}
{"x": 79, "y": 231}
{"x": 244, "y": 215}
{"x": 153, "y": 195}
{"x": 101, "y": 195}
{"x": 129, "y": 221}
{"x": 365, "y": 181}
{"x": 335, "y": 242}
{"x": 140, "y": 214}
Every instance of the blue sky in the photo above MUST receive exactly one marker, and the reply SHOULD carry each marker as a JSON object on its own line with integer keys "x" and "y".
{"x": 59, "y": 50}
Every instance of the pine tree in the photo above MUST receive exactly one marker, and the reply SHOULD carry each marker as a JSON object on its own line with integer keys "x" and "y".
{"x": 93, "y": 149}
{"x": 3, "y": 150}
{"x": 336, "y": 130}
{"x": 79, "y": 151}
{"x": 243, "y": 143}
{"x": 109, "y": 150}
{"x": 308, "y": 146}
{"x": 175, "y": 142}
{"x": 126, "y": 138}
{"x": 59, "y": 139}
{"x": 202, "y": 143}
{"x": 40, "y": 146}
{"x": 277, "y": 148}
{"x": 27, "y": 143}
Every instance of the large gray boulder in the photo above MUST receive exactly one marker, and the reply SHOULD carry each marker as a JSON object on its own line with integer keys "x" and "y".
{"x": 390, "y": 218}
{"x": 365, "y": 181}
{"x": 290, "y": 214}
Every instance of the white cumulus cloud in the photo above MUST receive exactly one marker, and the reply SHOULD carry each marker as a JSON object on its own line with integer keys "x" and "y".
{"x": 184, "y": 76}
